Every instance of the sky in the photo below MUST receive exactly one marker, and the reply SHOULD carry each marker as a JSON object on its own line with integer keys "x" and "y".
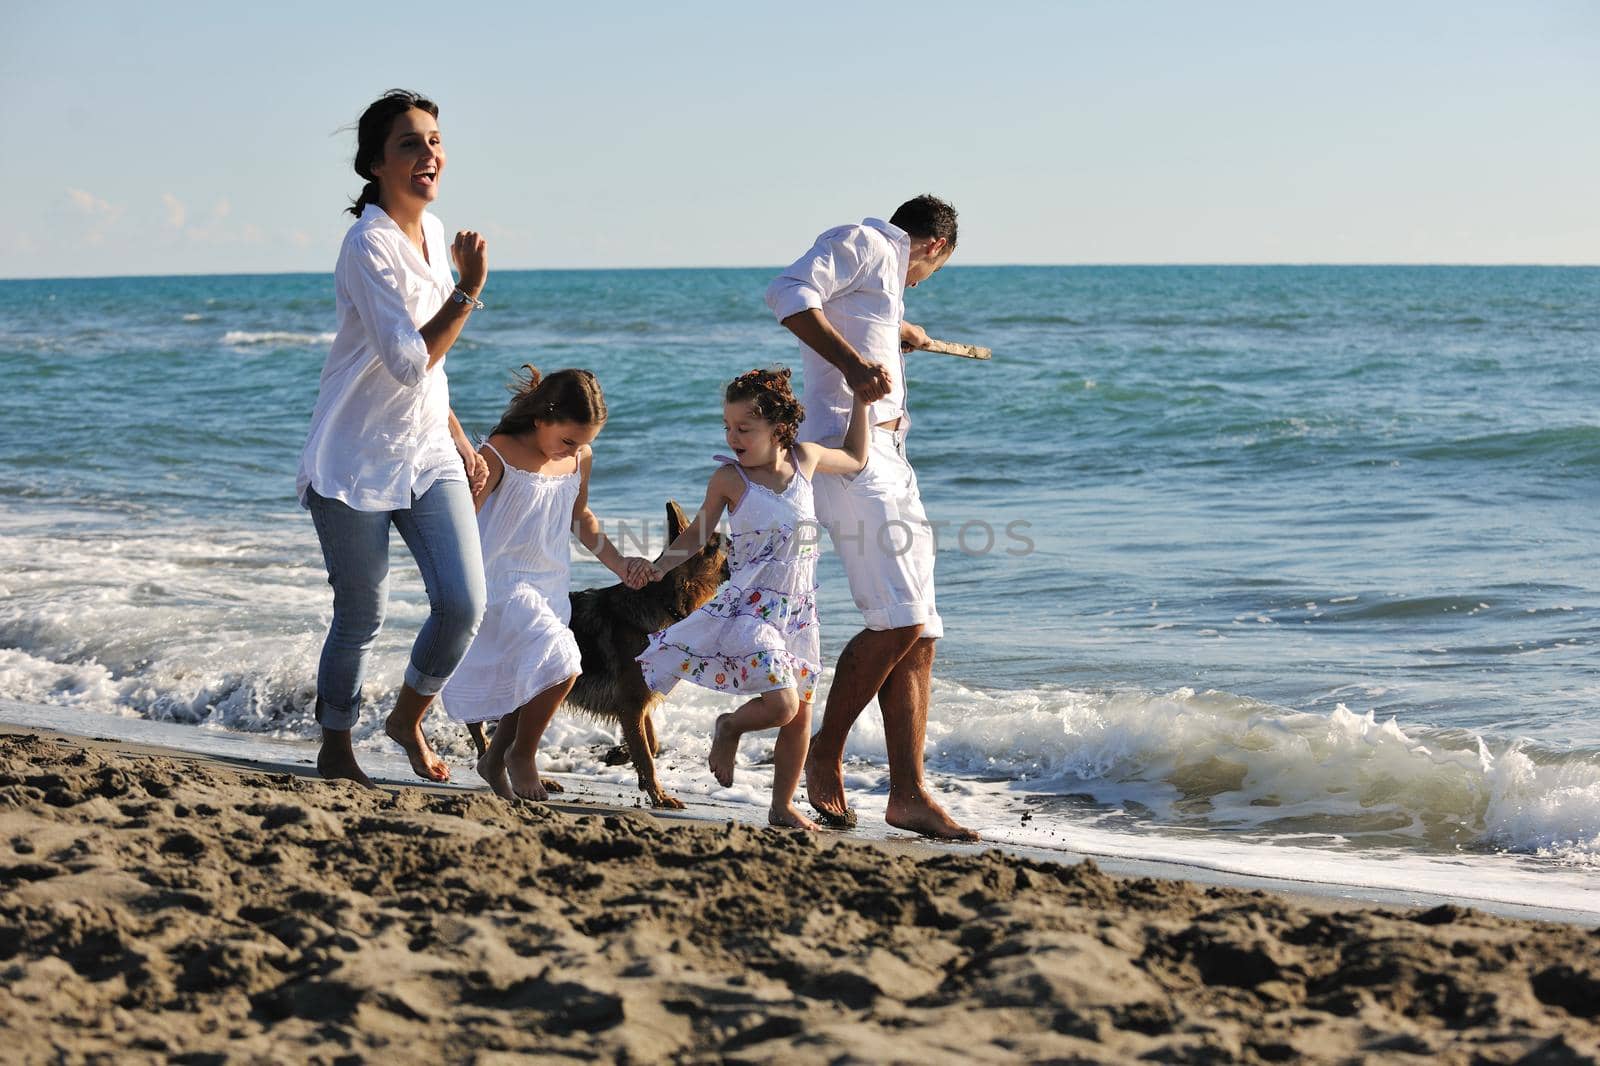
{"x": 189, "y": 138}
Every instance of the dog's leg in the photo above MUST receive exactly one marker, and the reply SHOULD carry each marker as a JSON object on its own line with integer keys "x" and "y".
{"x": 650, "y": 735}
{"x": 643, "y": 762}
{"x": 478, "y": 740}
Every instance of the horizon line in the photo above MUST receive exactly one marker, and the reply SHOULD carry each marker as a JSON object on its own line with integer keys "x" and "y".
{"x": 780, "y": 266}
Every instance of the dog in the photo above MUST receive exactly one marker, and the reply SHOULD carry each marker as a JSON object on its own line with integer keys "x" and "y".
{"x": 613, "y": 626}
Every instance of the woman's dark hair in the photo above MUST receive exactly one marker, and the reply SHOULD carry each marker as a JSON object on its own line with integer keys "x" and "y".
{"x": 564, "y": 396}
{"x": 772, "y": 399}
{"x": 372, "y": 132}
{"x": 926, "y": 216}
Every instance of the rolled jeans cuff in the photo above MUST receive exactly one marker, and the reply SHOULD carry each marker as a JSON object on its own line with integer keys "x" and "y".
{"x": 330, "y": 717}
{"x": 423, "y": 684}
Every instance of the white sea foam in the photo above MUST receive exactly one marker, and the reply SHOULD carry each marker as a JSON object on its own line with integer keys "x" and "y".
{"x": 239, "y": 338}
{"x": 221, "y": 629}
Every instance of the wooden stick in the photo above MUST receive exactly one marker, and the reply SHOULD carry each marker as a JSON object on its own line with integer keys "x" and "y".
{"x": 966, "y": 351}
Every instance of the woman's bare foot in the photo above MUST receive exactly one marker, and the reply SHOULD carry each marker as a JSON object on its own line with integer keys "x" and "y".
{"x": 336, "y": 760}
{"x": 493, "y": 770}
{"x": 724, "y": 750}
{"x": 789, "y": 817}
{"x": 523, "y": 776}
{"x": 424, "y": 763}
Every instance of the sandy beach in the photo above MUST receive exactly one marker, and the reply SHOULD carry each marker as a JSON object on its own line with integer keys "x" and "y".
{"x": 168, "y": 908}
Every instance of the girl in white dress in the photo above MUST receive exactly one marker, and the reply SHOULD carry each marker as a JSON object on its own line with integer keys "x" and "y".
{"x": 524, "y": 660}
{"x": 758, "y": 636}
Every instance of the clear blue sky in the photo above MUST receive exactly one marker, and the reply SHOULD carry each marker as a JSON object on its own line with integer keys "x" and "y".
{"x": 203, "y": 138}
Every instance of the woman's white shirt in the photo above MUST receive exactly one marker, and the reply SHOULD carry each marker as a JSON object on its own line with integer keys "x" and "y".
{"x": 380, "y": 433}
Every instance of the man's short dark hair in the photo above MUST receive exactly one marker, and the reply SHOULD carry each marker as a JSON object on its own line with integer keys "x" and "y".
{"x": 927, "y": 216}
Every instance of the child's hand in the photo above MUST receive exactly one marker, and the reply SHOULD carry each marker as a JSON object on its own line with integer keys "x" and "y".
{"x": 477, "y": 466}
{"x": 637, "y": 572}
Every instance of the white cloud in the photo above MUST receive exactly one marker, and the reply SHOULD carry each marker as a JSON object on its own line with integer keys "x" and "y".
{"x": 99, "y": 216}
{"x": 89, "y": 204}
{"x": 175, "y": 210}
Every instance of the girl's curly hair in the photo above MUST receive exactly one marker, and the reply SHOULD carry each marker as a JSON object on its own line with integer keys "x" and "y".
{"x": 772, "y": 399}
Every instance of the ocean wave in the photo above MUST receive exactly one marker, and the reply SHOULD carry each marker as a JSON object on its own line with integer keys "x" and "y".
{"x": 1220, "y": 761}
{"x": 1577, "y": 445}
{"x": 1034, "y": 320}
{"x": 239, "y": 338}
{"x": 1126, "y": 761}
{"x": 221, "y": 629}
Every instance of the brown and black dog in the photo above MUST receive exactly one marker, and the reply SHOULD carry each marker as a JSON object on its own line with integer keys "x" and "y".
{"x": 613, "y": 625}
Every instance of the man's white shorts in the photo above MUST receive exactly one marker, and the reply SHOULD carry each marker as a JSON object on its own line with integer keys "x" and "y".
{"x": 881, "y": 533}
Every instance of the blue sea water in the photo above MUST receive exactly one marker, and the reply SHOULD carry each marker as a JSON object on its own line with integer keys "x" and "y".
{"x": 1289, "y": 565}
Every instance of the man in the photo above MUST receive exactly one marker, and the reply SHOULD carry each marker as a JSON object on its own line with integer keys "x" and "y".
{"x": 844, "y": 300}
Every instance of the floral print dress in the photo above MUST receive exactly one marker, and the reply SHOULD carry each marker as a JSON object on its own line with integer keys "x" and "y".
{"x": 759, "y": 632}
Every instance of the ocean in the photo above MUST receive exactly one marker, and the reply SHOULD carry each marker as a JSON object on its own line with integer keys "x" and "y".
{"x": 1282, "y": 571}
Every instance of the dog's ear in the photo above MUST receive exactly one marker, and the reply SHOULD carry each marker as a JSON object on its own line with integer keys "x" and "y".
{"x": 676, "y": 522}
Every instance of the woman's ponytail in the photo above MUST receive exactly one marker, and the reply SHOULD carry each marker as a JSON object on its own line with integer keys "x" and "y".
{"x": 369, "y": 195}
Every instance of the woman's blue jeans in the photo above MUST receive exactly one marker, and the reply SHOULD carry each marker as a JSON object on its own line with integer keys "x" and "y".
{"x": 442, "y": 532}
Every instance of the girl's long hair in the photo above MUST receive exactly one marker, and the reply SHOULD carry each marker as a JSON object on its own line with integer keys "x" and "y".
{"x": 564, "y": 396}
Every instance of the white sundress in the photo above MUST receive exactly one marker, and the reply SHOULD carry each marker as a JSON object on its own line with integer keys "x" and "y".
{"x": 759, "y": 632}
{"x": 523, "y": 646}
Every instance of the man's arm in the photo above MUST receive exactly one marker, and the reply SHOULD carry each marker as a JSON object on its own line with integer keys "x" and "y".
{"x": 870, "y": 381}
{"x": 833, "y": 267}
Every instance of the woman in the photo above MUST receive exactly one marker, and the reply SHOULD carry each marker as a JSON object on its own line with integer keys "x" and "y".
{"x": 385, "y": 448}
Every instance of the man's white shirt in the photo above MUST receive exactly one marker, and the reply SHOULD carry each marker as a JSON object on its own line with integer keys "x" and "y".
{"x": 855, "y": 275}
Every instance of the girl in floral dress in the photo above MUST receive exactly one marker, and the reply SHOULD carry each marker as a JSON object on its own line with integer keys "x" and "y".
{"x": 758, "y": 636}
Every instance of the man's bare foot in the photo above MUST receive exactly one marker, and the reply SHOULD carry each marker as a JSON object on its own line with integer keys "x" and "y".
{"x": 335, "y": 764}
{"x": 493, "y": 770}
{"x": 524, "y": 778}
{"x": 919, "y": 814}
{"x": 789, "y": 817}
{"x": 825, "y": 792}
{"x": 424, "y": 763}
{"x": 724, "y": 750}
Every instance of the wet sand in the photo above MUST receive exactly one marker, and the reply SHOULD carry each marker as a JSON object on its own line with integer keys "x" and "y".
{"x": 156, "y": 908}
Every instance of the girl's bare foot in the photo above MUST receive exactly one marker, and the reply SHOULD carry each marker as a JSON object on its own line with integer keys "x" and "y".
{"x": 724, "y": 751}
{"x": 424, "y": 763}
{"x": 493, "y": 770}
{"x": 789, "y": 817}
{"x": 523, "y": 776}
